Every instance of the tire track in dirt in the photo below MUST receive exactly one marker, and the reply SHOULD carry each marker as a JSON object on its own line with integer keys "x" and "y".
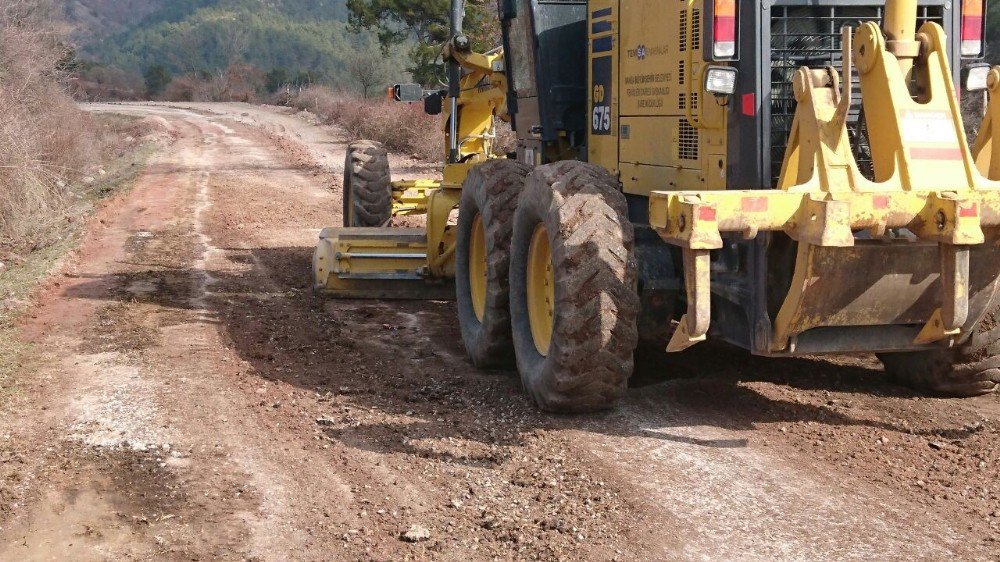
{"x": 137, "y": 403}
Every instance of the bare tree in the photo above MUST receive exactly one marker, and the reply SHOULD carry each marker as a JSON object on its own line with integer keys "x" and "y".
{"x": 236, "y": 43}
{"x": 368, "y": 69}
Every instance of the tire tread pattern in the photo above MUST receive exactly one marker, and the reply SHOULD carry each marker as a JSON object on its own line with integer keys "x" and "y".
{"x": 492, "y": 190}
{"x": 367, "y": 185}
{"x": 595, "y": 332}
{"x": 973, "y": 369}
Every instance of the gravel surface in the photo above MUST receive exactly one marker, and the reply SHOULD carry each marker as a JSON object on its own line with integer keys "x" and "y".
{"x": 189, "y": 398}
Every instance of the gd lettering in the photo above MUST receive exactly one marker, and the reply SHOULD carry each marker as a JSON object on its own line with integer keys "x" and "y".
{"x": 599, "y": 93}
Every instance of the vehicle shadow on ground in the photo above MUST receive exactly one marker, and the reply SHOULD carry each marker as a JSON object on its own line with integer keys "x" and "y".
{"x": 405, "y": 361}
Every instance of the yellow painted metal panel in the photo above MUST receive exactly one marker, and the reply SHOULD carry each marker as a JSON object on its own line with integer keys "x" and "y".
{"x": 410, "y": 197}
{"x": 639, "y": 179}
{"x": 652, "y": 57}
{"x": 654, "y": 140}
{"x": 670, "y": 142}
{"x": 602, "y": 72}
{"x": 375, "y": 263}
{"x": 661, "y": 117}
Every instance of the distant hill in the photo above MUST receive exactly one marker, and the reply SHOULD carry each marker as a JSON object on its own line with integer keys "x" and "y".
{"x": 206, "y": 36}
{"x": 96, "y": 19}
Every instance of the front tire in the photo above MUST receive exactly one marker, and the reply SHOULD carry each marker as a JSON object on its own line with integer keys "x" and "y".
{"x": 482, "y": 260}
{"x": 367, "y": 185}
{"x": 573, "y": 298}
{"x": 972, "y": 369}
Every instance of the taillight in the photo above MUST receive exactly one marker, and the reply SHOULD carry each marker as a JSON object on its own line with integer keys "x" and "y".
{"x": 724, "y": 30}
{"x": 973, "y": 21}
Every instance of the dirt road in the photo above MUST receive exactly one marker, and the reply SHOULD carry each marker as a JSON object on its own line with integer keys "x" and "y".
{"x": 189, "y": 398}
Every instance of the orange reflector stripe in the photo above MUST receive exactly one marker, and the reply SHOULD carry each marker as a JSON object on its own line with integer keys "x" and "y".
{"x": 728, "y": 7}
{"x": 706, "y": 213}
{"x": 969, "y": 8}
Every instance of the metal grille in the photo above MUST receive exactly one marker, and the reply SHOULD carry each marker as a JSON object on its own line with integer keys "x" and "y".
{"x": 684, "y": 31}
{"x": 682, "y": 101}
{"x": 687, "y": 141}
{"x": 810, "y": 36}
{"x": 695, "y": 28}
{"x": 681, "y": 72}
{"x": 683, "y": 34}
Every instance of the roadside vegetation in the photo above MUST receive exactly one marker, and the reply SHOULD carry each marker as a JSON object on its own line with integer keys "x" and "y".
{"x": 333, "y": 58}
{"x": 401, "y": 127}
{"x": 56, "y": 161}
{"x": 222, "y": 50}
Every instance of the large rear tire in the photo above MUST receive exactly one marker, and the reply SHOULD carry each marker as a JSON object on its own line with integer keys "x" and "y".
{"x": 972, "y": 369}
{"x": 367, "y": 185}
{"x": 482, "y": 260}
{"x": 573, "y": 288}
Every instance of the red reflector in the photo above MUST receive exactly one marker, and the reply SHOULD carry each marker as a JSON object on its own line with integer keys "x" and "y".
{"x": 880, "y": 201}
{"x": 706, "y": 213}
{"x": 972, "y": 27}
{"x": 935, "y": 154}
{"x": 749, "y": 105}
{"x": 754, "y": 204}
{"x": 971, "y": 211}
{"x": 725, "y": 29}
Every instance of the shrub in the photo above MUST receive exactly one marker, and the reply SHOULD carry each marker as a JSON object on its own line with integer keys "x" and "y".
{"x": 400, "y": 127}
{"x": 239, "y": 82}
{"x": 157, "y": 78}
{"x": 46, "y": 142}
{"x": 96, "y": 82}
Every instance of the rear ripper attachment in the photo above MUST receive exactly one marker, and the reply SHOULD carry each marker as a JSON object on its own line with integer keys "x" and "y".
{"x": 926, "y": 188}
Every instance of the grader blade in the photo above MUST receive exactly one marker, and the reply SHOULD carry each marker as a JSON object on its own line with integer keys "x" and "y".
{"x": 376, "y": 263}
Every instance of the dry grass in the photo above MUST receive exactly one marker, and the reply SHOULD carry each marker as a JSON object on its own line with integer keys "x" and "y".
{"x": 51, "y": 156}
{"x": 123, "y": 144}
{"x": 400, "y": 127}
{"x": 50, "y": 151}
{"x": 46, "y": 142}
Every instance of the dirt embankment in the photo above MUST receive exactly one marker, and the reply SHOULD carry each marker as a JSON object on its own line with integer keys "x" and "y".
{"x": 191, "y": 398}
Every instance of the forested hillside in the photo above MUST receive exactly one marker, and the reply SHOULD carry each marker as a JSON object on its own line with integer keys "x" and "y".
{"x": 271, "y": 43}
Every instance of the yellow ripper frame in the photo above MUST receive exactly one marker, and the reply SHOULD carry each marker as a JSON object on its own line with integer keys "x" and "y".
{"x": 926, "y": 181}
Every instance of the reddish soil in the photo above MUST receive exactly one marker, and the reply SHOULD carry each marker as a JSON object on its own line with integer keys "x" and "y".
{"x": 189, "y": 398}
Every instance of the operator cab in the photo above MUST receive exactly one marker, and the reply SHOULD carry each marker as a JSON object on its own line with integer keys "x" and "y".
{"x": 547, "y": 73}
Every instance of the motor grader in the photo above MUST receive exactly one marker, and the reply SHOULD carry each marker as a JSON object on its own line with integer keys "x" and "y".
{"x": 789, "y": 176}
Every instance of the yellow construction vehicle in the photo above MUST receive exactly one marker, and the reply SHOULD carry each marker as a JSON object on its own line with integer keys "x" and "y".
{"x": 366, "y": 259}
{"x": 792, "y": 177}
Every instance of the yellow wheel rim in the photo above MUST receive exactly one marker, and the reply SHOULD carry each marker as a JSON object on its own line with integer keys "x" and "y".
{"x": 477, "y": 267}
{"x": 541, "y": 290}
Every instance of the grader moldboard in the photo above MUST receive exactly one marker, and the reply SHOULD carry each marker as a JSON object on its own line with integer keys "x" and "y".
{"x": 791, "y": 176}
